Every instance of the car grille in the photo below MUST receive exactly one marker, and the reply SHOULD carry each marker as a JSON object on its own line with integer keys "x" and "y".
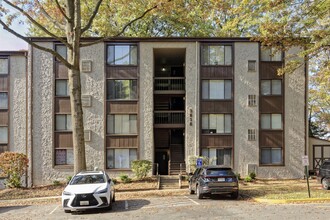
{"x": 84, "y": 197}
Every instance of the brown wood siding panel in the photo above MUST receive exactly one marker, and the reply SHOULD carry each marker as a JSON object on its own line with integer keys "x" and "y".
{"x": 122, "y": 72}
{"x": 271, "y": 104}
{"x": 271, "y": 139}
{"x": 61, "y": 71}
{"x": 268, "y": 70}
{"x": 216, "y": 72}
{"x": 63, "y": 140}
{"x": 3, "y": 83}
{"x": 62, "y": 105}
{"x": 162, "y": 138}
{"x": 4, "y": 118}
{"x": 217, "y": 141}
{"x": 122, "y": 107}
{"x": 122, "y": 142}
{"x": 216, "y": 107}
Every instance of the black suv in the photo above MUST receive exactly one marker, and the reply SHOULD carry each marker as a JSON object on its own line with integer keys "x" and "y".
{"x": 323, "y": 175}
{"x": 213, "y": 180}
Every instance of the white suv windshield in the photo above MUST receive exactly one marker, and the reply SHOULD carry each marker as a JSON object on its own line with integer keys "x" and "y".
{"x": 88, "y": 179}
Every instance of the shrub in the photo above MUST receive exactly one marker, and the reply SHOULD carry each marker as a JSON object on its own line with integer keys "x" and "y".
{"x": 252, "y": 175}
{"x": 68, "y": 178}
{"x": 13, "y": 165}
{"x": 238, "y": 176}
{"x": 248, "y": 179}
{"x": 124, "y": 178}
{"x": 56, "y": 183}
{"x": 141, "y": 168}
{"x": 114, "y": 180}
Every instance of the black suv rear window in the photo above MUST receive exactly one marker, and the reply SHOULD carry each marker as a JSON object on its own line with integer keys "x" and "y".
{"x": 219, "y": 172}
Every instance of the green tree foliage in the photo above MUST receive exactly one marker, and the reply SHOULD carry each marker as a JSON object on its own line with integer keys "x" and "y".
{"x": 13, "y": 165}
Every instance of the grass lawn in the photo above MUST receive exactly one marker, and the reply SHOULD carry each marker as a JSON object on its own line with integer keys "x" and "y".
{"x": 283, "y": 189}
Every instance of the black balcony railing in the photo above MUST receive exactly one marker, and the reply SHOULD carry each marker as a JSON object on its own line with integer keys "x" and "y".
{"x": 169, "y": 117}
{"x": 169, "y": 83}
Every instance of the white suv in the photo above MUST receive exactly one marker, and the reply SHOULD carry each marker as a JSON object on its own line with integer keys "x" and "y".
{"x": 88, "y": 190}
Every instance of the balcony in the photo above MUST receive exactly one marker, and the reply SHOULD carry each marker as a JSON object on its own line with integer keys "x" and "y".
{"x": 166, "y": 85}
{"x": 169, "y": 119}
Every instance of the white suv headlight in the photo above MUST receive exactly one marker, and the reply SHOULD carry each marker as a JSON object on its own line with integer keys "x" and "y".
{"x": 102, "y": 191}
{"x": 67, "y": 193}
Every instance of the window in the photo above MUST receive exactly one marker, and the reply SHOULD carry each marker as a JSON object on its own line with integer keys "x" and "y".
{"x": 62, "y": 87}
{"x": 61, "y": 49}
{"x": 216, "y": 123}
{"x": 271, "y": 87}
{"x": 122, "y": 89}
{"x": 3, "y": 100}
{"x": 63, "y": 156}
{"x": 216, "y": 89}
{"x": 216, "y": 55}
{"x": 122, "y": 55}
{"x": 121, "y": 158}
{"x": 252, "y": 134}
{"x": 3, "y": 135}
{"x": 63, "y": 122}
{"x": 122, "y": 124}
{"x": 4, "y": 66}
{"x": 218, "y": 156}
{"x": 270, "y": 54}
{"x": 271, "y": 121}
{"x": 252, "y": 100}
{"x": 271, "y": 156}
{"x": 252, "y": 65}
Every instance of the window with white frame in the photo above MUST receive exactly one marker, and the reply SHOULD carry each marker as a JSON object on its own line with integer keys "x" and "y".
{"x": 3, "y": 100}
{"x": 270, "y": 54}
{"x": 216, "y": 123}
{"x": 252, "y": 134}
{"x": 3, "y": 135}
{"x": 61, "y": 49}
{"x": 216, "y": 55}
{"x": 62, "y": 87}
{"x": 122, "y": 124}
{"x": 4, "y": 66}
{"x": 216, "y": 89}
{"x": 271, "y": 156}
{"x": 121, "y": 158}
{"x": 271, "y": 87}
{"x": 271, "y": 121}
{"x": 122, "y": 55}
{"x": 218, "y": 156}
{"x": 122, "y": 89}
{"x": 252, "y": 100}
{"x": 63, "y": 122}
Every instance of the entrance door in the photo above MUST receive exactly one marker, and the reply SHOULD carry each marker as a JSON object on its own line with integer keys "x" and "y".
{"x": 162, "y": 160}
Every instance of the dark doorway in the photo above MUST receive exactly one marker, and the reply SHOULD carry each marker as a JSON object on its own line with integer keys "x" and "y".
{"x": 161, "y": 159}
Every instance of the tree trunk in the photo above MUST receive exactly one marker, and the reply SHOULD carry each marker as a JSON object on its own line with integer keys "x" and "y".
{"x": 73, "y": 32}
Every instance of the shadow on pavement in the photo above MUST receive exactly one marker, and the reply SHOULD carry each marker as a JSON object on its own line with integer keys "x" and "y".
{"x": 118, "y": 206}
{"x": 11, "y": 208}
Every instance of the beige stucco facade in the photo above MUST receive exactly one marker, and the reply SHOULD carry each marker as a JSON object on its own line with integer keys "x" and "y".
{"x": 32, "y": 110}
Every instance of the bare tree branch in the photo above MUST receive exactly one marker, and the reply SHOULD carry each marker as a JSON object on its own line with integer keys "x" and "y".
{"x": 26, "y": 39}
{"x": 91, "y": 19}
{"x": 36, "y": 23}
{"x": 61, "y": 10}
{"x": 125, "y": 27}
{"x": 44, "y": 12}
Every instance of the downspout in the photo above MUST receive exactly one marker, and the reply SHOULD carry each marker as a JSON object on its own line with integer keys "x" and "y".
{"x": 31, "y": 115}
{"x": 306, "y": 109}
{"x": 26, "y": 114}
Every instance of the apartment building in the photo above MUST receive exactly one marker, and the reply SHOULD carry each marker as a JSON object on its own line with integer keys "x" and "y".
{"x": 164, "y": 100}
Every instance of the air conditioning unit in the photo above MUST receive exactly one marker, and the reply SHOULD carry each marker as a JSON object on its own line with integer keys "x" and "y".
{"x": 86, "y": 66}
{"x": 86, "y": 100}
{"x": 88, "y": 135}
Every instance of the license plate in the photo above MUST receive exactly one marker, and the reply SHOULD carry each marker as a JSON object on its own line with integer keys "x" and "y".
{"x": 221, "y": 179}
{"x": 84, "y": 202}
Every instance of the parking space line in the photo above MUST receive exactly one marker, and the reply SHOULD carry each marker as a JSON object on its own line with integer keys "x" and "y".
{"x": 54, "y": 210}
{"x": 192, "y": 200}
{"x": 126, "y": 204}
